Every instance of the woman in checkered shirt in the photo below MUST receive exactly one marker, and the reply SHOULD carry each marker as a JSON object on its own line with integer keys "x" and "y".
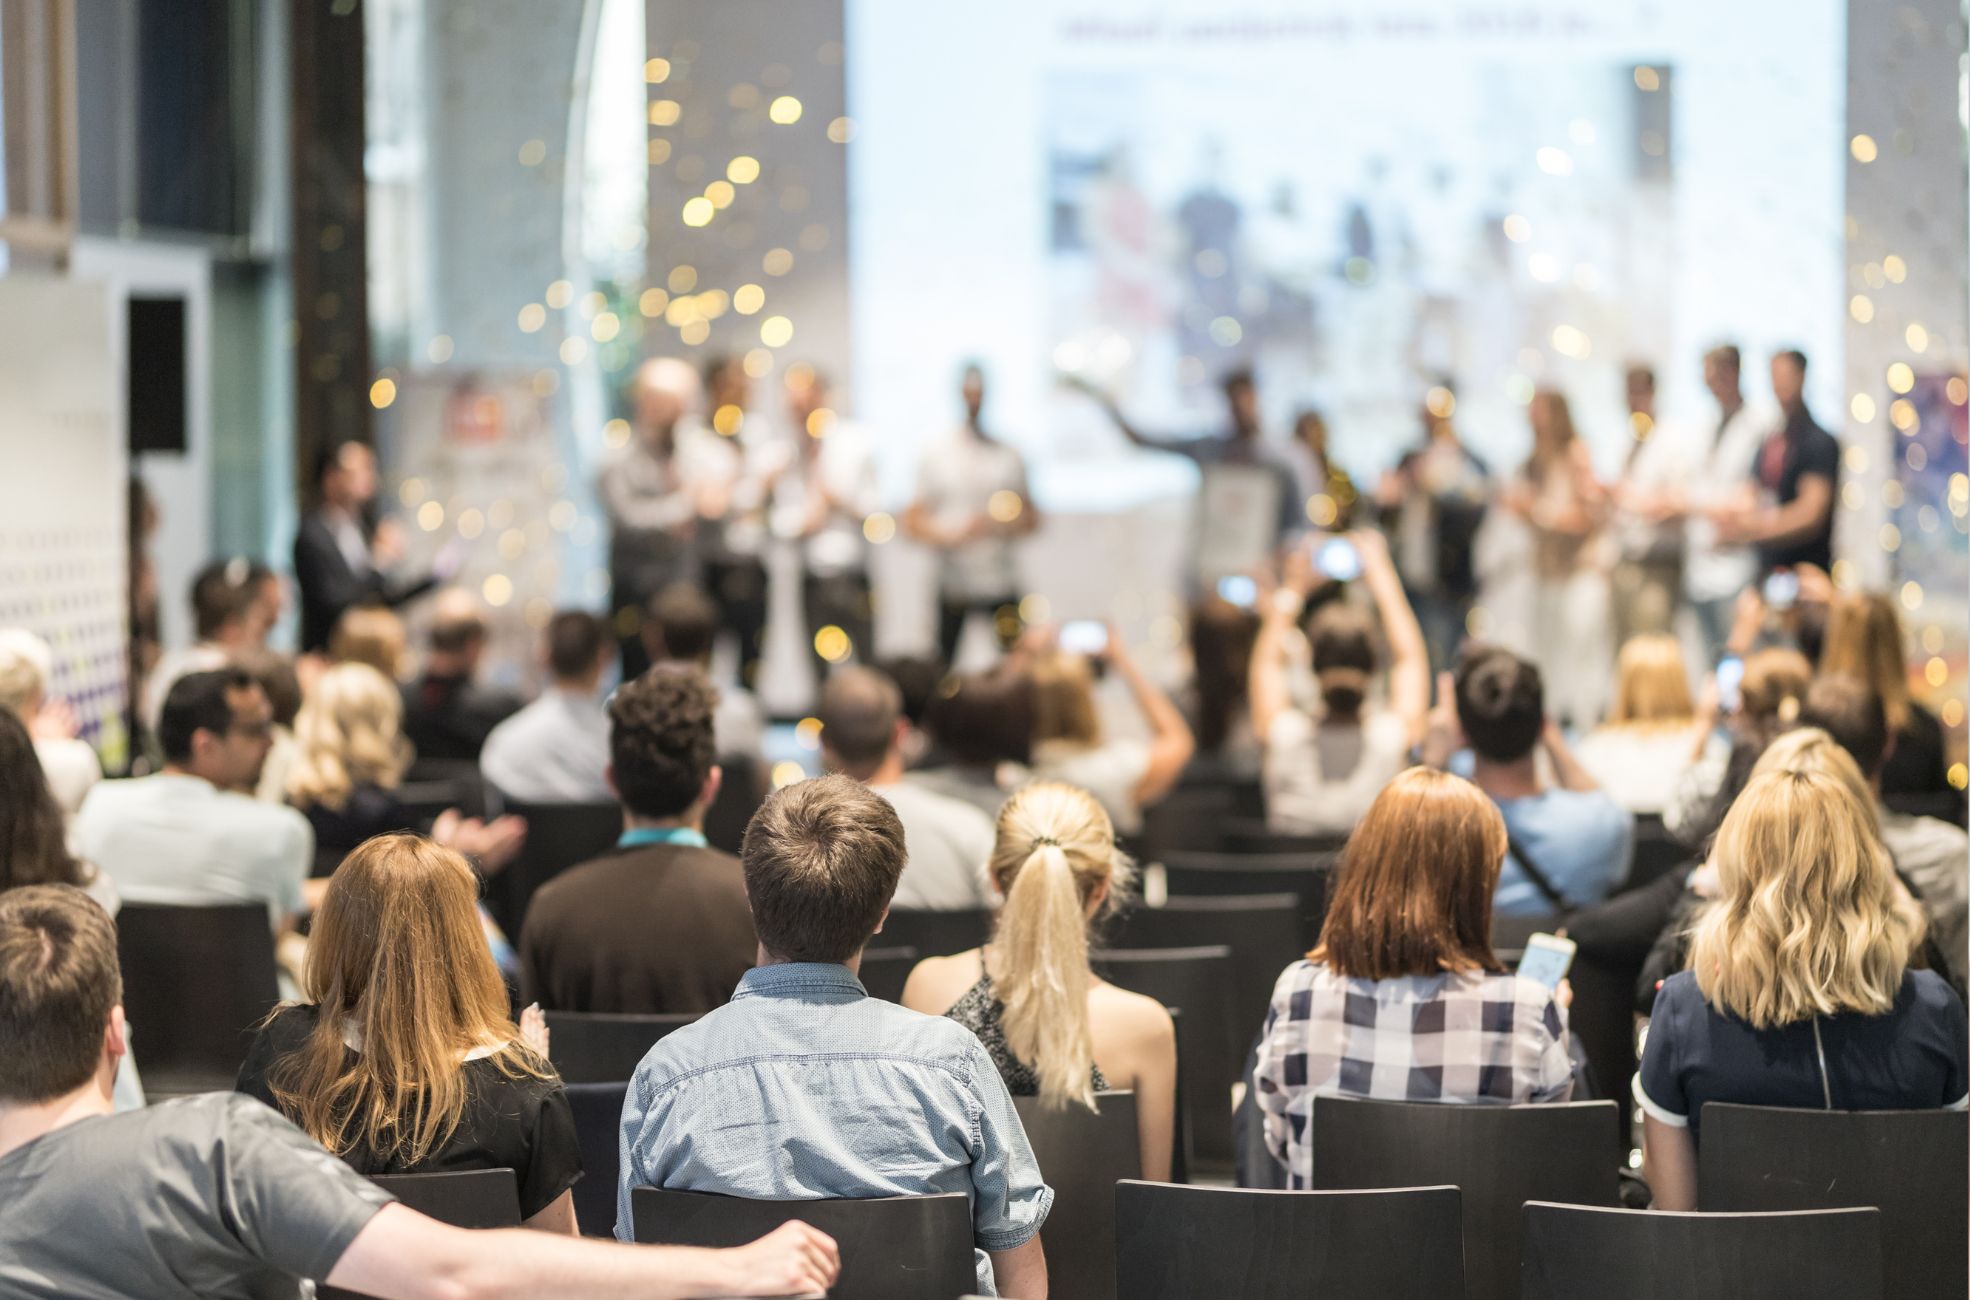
{"x": 1404, "y": 1000}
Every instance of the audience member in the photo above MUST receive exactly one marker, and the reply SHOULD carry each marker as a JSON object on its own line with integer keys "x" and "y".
{"x": 373, "y": 635}
{"x": 33, "y": 844}
{"x": 216, "y": 1197}
{"x": 226, "y": 610}
{"x": 791, "y": 1072}
{"x": 1054, "y": 1029}
{"x": 341, "y": 561}
{"x": 1769, "y": 694}
{"x": 350, "y": 757}
{"x": 70, "y": 765}
{"x": 1323, "y": 769}
{"x": 1404, "y": 999}
{"x": 402, "y": 1057}
{"x": 1864, "y": 637}
{"x": 917, "y": 677}
{"x": 1640, "y": 753}
{"x": 1218, "y": 704}
{"x": 660, "y": 924}
{"x": 192, "y": 833}
{"x": 1569, "y": 844}
{"x": 980, "y": 727}
{"x": 1069, "y": 744}
{"x": 862, "y": 731}
{"x": 1799, "y": 990}
{"x": 556, "y": 749}
{"x": 276, "y": 676}
{"x": 681, "y": 626}
{"x": 447, "y": 712}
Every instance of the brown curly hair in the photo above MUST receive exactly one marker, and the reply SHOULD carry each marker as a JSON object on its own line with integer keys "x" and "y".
{"x": 660, "y": 739}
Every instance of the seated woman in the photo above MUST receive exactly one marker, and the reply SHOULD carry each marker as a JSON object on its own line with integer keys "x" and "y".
{"x": 402, "y": 1057}
{"x": 1069, "y": 744}
{"x": 1641, "y": 752}
{"x": 1864, "y": 639}
{"x": 1323, "y": 768}
{"x": 1799, "y": 990}
{"x": 1056, "y": 1030}
{"x": 979, "y": 728}
{"x": 1218, "y": 703}
{"x": 1770, "y": 694}
{"x": 1406, "y": 950}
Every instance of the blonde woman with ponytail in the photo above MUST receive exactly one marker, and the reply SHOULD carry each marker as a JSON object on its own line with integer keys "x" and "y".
{"x": 1055, "y": 1029}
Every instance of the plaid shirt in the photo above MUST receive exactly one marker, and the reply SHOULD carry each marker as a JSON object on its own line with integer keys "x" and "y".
{"x": 1466, "y": 1037}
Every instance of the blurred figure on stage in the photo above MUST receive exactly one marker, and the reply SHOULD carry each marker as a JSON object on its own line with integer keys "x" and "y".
{"x": 972, "y": 505}
{"x": 652, "y": 509}
{"x": 820, "y": 502}
{"x": 1315, "y": 475}
{"x": 1715, "y": 567}
{"x": 342, "y": 557}
{"x": 729, "y": 466}
{"x": 1798, "y": 478}
{"x": 1647, "y": 529}
{"x": 1431, "y": 505}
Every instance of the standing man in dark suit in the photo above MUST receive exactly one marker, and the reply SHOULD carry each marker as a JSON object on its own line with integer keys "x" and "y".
{"x": 341, "y": 559}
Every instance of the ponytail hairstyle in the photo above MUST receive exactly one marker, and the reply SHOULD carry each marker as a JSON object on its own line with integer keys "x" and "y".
{"x": 1055, "y": 850}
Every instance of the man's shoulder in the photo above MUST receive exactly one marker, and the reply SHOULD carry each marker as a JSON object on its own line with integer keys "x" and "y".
{"x": 917, "y": 799}
{"x": 706, "y": 866}
{"x": 878, "y": 1029}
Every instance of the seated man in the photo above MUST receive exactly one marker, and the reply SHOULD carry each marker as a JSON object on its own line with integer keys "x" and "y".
{"x": 1571, "y": 844}
{"x": 556, "y": 750}
{"x": 661, "y": 923}
{"x": 805, "y": 1087}
{"x": 217, "y": 1195}
{"x": 681, "y": 627}
{"x": 447, "y": 714}
{"x": 193, "y": 833}
{"x": 862, "y": 732}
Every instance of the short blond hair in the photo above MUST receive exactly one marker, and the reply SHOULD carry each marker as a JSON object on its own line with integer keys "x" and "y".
{"x": 1811, "y": 920}
{"x": 1651, "y": 684}
{"x": 349, "y": 733}
{"x": 25, "y": 662}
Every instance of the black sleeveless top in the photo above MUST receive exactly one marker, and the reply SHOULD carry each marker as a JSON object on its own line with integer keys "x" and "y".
{"x": 980, "y": 1011}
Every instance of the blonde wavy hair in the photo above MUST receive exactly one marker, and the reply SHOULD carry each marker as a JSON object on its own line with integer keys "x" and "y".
{"x": 1055, "y": 851}
{"x": 1651, "y": 685}
{"x": 348, "y": 733}
{"x": 397, "y": 955}
{"x": 1811, "y": 919}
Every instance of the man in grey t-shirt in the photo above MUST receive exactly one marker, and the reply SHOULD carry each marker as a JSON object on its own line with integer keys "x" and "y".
{"x": 218, "y": 1196}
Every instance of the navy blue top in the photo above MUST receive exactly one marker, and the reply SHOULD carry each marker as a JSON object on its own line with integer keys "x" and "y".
{"x": 1915, "y": 1057}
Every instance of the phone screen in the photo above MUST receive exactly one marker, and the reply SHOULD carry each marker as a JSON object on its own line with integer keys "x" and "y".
{"x": 1238, "y": 590}
{"x": 1336, "y": 558}
{"x": 1782, "y": 589}
{"x": 1084, "y": 636}
{"x": 1546, "y": 959}
{"x": 1730, "y": 683}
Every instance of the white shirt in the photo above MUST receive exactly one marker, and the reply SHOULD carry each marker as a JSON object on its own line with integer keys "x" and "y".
{"x": 1932, "y": 853}
{"x": 1320, "y": 778}
{"x": 737, "y": 465}
{"x": 555, "y": 750}
{"x": 178, "y": 839}
{"x": 1720, "y": 470}
{"x": 1639, "y": 767}
{"x": 844, "y": 466}
{"x": 737, "y": 723}
{"x": 949, "y": 843}
{"x": 956, "y": 480}
{"x": 1110, "y": 772}
{"x": 72, "y": 770}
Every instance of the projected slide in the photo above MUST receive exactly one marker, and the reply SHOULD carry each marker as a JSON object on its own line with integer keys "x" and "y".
{"x": 1352, "y": 199}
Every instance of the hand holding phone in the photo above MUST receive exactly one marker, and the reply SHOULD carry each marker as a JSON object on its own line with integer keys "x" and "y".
{"x": 1730, "y": 683}
{"x": 1238, "y": 589}
{"x": 1547, "y": 959}
{"x": 1084, "y": 636}
{"x": 1337, "y": 559}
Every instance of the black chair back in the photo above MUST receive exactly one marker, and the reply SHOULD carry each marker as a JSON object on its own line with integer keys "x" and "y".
{"x": 464, "y": 1198}
{"x": 1249, "y": 835}
{"x": 423, "y": 800}
{"x": 1262, "y": 931}
{"x": 1176, "y": 1243}
{"x": 1305, "y": 874}
{"x": 1910, "y": 1164}
{"x": 1499, "y": 1156}
{"x": 936, "y": 934}
{"x": 1082, "y": 1156}
{"x": 597, "y": 1109}
{"x": 594, "y": 1047}
{"x": 740, "y": 793}
{"x": 1573, "y": 1251}
{"x": 196, "y": 980}
{"x": 1509, "y": 933}
{"x": 559, "y": 836}
{"x": 1188, "y": 818}
{"x": 892, "y": 1248}
{"x": 1195, "y": 982}
{"x": 1657, "y": 852}
{"x": 886, "y": 970}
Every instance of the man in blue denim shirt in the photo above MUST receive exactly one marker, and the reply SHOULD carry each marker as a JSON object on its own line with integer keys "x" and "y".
{"x": 803, "y": 1086}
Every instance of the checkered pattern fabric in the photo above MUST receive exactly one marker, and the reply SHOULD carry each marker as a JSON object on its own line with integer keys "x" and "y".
{"x": 1462, "y": 1037}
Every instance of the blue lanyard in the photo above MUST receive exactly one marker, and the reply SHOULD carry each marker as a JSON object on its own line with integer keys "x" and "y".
{"x": 638, "y": 836}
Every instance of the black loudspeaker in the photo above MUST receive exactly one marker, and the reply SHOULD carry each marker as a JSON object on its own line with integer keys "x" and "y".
{"x": 157, "y": 374}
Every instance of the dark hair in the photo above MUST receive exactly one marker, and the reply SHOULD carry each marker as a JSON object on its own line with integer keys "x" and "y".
{"x": 1644, "y": 373}
{"x": 331, "y": 456}
{"x": 917, "y": 677}
{"x": 198, "y": 702}
{"x": 274, "y": 674}
{"x": 1726, "y": 354}
{"x": 456, "y": 633}
{"x": 660, "y": 739}
{"x": 680, "y": 623}
{"x": 1795, "y": 356}
{"x": 1847, "y": 709}
{"x": 58, "y": 982}
{"x": 575, "y": 640}
{"x": 715, "y": 365}
{"x": 1233, "y": 380}
{"x": 821, "y": 860}
{"x": 982, "y": 718}
{"x": 1343, "y": 641}
{"x": 1221, "y": 637}
{"x": 222, "y": 591}
{"x": 33, "y": 843}
{"x": 1501, "y": 704}
{"x": 859, "y": 711}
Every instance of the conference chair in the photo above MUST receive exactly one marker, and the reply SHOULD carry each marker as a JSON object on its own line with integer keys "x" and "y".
{"x": 1657, "y": 852}
{"x": 1510, "y": 933}
{"x": 1573, "y": 1251}
{"x": 1499, "y": 1156}
{"x": 1195, "y": 985}
{"x": 1306, "y": 874}
{"x": 1178, "y": 1243}
{"x": 424, "y": 800}
{"x": 885, "y": 971}
{"x": 1911, "y": 1164}
{"x": 196, "y": 980}
{"x": 598, "y": 1047}
{"x": 559, "y": 835}
{"x": 597, "y": 1109}
{"x": 1190, "y": 817}
{"x": 1082, "y": 1156}
{"x": 892, "y": 1247}
{"x": 1250, "y": 835}
{"x": 936, "y": 934}
{"x": 740, "y": 792}
{"x": 1262, "y": 930}
{"x": 464, "y": 1198}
